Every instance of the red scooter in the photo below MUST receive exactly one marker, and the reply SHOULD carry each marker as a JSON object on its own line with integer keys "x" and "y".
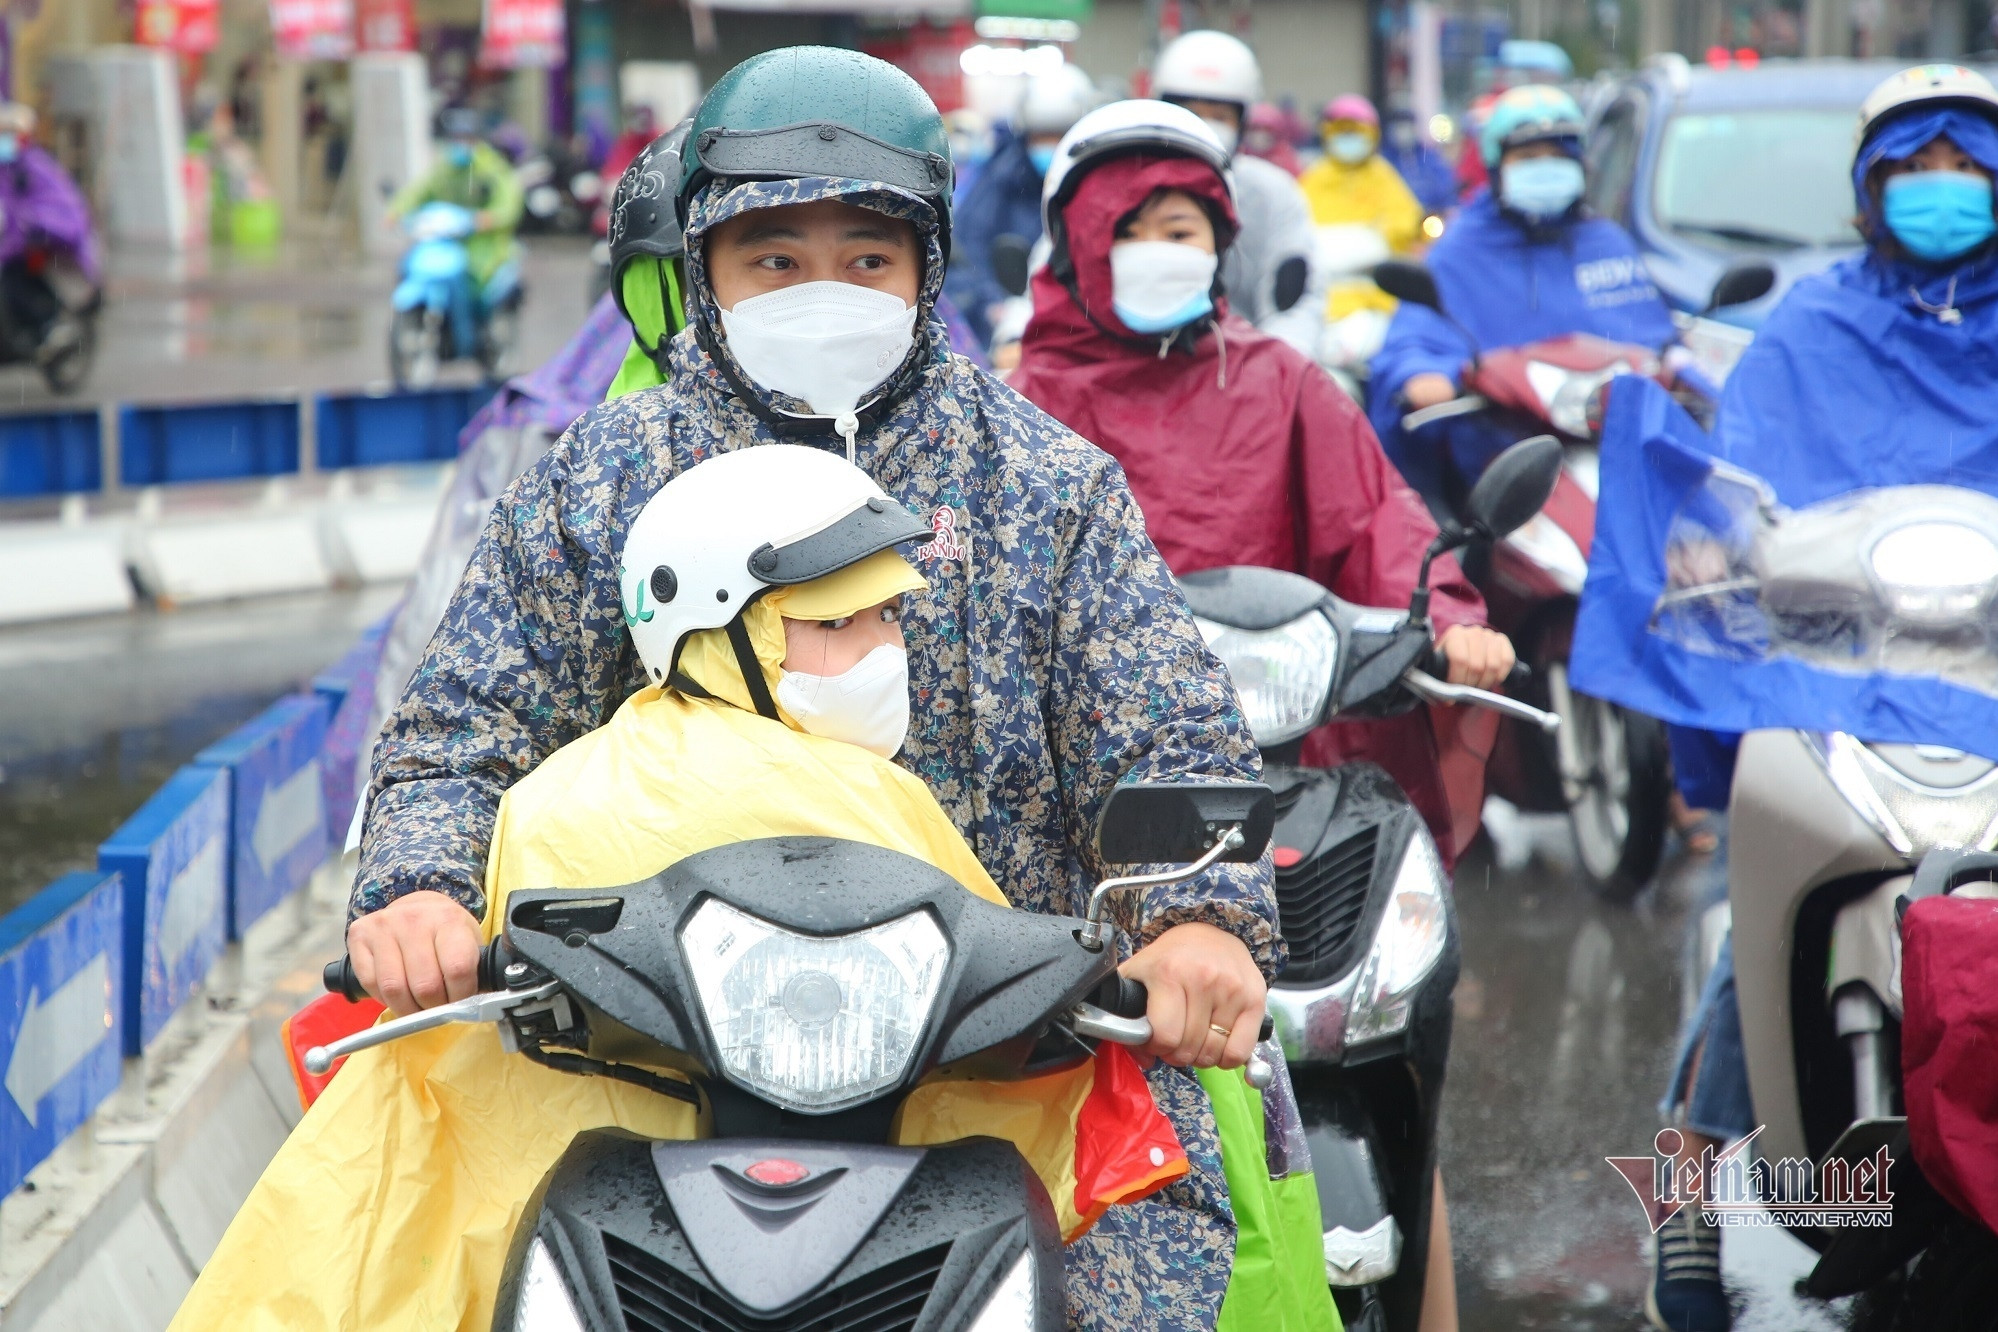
{"x": 1606, "y": 768}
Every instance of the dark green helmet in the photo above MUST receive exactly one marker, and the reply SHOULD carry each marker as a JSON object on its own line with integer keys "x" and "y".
{"x": 820, "y": 111}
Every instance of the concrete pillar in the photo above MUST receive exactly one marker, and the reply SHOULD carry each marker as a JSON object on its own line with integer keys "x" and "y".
{"x": 283, "y": 116}
{"x": 1946, "y": 28}
{"x": 1827, "y": 27}
{"x": 1657, "y": 27}
{"x": 527, "y": 94}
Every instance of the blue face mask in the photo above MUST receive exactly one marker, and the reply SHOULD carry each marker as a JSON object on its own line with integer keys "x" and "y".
{"x": 1541, "y": 187}
{"x": 1939, "y": 215}
{"x": 10, "y": 148}
{"x": 1042, "y": 156}
{"x": 459, "y": 155}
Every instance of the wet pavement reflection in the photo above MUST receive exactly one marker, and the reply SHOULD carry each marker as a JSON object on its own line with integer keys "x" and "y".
{"x": 100, "y": 712}
{"x": 1568, "y": 1015}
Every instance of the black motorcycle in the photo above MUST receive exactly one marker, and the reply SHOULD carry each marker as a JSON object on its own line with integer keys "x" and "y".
{"x": 1363, "y": 1009}
{"x": 48, "y": 316}
{"x": 802, "y": 986}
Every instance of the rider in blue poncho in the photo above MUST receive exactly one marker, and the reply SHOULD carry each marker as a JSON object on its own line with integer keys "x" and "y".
{"x": 1882, "y": 371}
{"x": 1522, "y": 262}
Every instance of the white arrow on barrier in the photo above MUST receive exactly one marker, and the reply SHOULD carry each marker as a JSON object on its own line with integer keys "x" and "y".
{"x": 290, "y": 813}
{"x": 58, "y": 1033}
{"x": 192, "y": 900}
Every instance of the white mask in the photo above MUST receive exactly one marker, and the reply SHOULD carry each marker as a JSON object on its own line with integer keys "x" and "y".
{"x": 1160, "y": 285}
{"x": 1225, "y": 131}
{"x": 865, "y": 705}
{"x": 829, "y": 343}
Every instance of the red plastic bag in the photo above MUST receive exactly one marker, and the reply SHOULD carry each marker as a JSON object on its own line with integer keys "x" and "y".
{"x": 1949, "y": 1048}
{"x": 1125, "y": 1147}
{"x": 321, "y": 1022}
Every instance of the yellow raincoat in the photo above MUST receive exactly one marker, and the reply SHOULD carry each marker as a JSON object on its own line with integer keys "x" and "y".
{"x": 1371, "y": 194}
{"x": 392, "y": 1204}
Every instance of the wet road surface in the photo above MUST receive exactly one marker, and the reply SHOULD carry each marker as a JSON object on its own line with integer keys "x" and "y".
{"x": 1568, "y": 1013}
{"x": 100, "y": 712}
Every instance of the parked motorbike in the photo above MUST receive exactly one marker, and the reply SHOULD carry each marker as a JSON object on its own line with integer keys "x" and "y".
{"x": 50, "y": 317}
{"x": 1363, "y": 1009}
{"x": 1827, "y": 828}
{"x": 801, "y": 987}
{"x": 1607, "y": 769}
{"x": 438, "y": 299}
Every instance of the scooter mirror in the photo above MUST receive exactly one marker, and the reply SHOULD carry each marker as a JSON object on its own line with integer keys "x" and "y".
{"x": 1177, "y": 822}
{"x": 1741, "y": 284}
{"x": 1515, "y": 486}
{"x": 1010, "y": 255}
{"x": 1409, "y": 282}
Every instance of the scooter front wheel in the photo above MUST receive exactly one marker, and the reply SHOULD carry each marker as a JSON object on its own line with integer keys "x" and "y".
{"x": 1616, "y": 780}
{"x": 416, "y": 352}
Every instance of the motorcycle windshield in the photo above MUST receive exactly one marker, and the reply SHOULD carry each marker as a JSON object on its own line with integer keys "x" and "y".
{"x": 1712, "y": 605}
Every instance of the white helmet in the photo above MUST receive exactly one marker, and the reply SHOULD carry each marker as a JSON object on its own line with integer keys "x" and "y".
{"x": 1927, "y": 85}
{"x": 1056, "y": 100}
{"x": 1211, "y": 66}
{"x": 1121, "y": 128}
{"x": 728, "y": 529}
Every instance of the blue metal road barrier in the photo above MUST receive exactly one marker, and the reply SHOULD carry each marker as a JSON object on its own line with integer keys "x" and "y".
{"x": 207, "y": 441}
{"x": 373, "y": 429}
{"x": 50, "y": 453}
{"x": 59, "y": 1000}
{"x": 277, "y": 804}
{"x": 174, "y": 857}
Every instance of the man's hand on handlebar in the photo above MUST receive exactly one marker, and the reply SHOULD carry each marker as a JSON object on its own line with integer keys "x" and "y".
{"x": 1479, "y": 657}
{"x": 1427, "y": 390}
{"x": 1201, "y": 982}
{"x": 419, "y": 951}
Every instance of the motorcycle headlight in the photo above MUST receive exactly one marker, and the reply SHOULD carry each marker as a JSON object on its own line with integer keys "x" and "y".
{"x": 1935, "y": 574}
{"x": 544, "y": 1304}
{"x": 1570, "y": 396}
{"x": 1912, "y": 818}
{"x": 1011, "y": 1307}
{"x": 814, "y": 1023}
{"x": 1283, "y": 675}
{"x": 1407, "y": 944}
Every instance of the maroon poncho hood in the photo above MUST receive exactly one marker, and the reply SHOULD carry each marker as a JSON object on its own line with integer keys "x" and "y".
{"x": 1239, "y": 450}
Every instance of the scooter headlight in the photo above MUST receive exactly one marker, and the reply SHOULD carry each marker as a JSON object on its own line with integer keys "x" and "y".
{"x": 1569, "y": 396}
{"x": 1011, "y": 1306}
{"x": 813, "y": 1023}
{"x": 545, "y": 1304}
{"x": 1406, "y": 946}
{"x": 1283, "y": 675}
{"x": 1935, "y": 574}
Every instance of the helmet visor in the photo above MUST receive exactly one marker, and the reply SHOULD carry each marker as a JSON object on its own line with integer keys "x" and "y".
{"x": 822, "y": 149}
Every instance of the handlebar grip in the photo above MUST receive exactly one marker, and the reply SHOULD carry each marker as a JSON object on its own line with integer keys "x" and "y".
{"x": 1123, "y": 996}
{"x": 339, "y": 978}
{"x": 1268, "y": 1028}
{"x": 493, "y": 961}
{"x": 1438, "y": 665}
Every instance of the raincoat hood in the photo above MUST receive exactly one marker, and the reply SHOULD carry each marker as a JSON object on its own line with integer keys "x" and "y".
{"x": 789, "y": 417}
{"x": 1072, "y": 291}
{"x": 1901, "y": 137}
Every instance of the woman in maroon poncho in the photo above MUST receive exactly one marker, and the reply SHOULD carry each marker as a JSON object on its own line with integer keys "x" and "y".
{"x": 1239, "y": 450}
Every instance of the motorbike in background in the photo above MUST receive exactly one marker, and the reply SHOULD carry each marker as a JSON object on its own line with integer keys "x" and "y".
{"x": 440, "y": 314}
{"x": 800, "y": 988}
{"x": 1606, "y": 768}
{"x": 50, "y": 321}
{"x": 1363, "y": 1007}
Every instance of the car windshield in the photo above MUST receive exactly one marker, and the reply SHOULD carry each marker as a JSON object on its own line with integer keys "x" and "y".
{"x": 1777, "y": 178}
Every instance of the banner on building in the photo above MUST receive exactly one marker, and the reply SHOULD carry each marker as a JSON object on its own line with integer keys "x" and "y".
{"x": 313, "y": 29}
{"x": 190, "y": 27}
{"x": 385, "y": 25}
{"x": 522, "y": 34}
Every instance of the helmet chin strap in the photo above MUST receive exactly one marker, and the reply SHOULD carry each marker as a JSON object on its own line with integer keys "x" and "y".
{"x": 752, "y": 669}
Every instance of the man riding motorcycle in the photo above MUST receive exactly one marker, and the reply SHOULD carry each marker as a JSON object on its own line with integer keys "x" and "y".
{"x": 1005, "y": 200}
{"x": 1878, "y": 372}
{"x": 1523, "y": 261}
{"x": 1221, "y": 429}
{"x": 472, "y": 174}
{"x": 815, "y": 250}
{"x": 1268, "y": 268}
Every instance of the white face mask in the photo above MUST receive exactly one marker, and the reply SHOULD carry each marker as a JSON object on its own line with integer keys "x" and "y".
{"x": 865, "y": 705}
{"x": 1225, "y": 131}
{"x": 1160, "y": 285}
{"x": 829, "y": 343}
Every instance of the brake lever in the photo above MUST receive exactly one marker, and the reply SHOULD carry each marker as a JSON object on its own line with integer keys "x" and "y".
{"x": 1426, "y": 686}
{"x": 489, "y": 1006}
{"x": 1463, "y": 405}
{"x": 1098, "y": 1024}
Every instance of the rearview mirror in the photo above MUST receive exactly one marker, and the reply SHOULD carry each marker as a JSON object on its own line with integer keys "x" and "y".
{"x": 1177, "y": 822}
{"x": 1408, "y": 282}
{"x": 1741, "y": 284}
{"x": 1515, "y": 486}
{"x": 1010, "y": 266}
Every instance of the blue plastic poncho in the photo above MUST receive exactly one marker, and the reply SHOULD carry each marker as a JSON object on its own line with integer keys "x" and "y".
{"x": 1509, "y": 285}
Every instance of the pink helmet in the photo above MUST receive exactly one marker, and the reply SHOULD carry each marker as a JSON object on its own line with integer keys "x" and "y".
{"x": 1351, "y": 106}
